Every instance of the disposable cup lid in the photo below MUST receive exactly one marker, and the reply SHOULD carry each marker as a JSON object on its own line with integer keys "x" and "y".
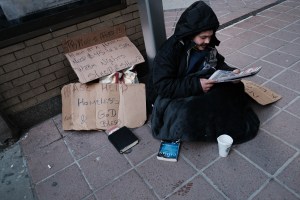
{"x": 225, "y": 139}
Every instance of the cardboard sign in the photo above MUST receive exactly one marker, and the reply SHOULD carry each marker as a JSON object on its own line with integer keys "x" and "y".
{"x": 101, "y": 53}
{"x": 260, "y": 94}
{"x": 101, "y": 106}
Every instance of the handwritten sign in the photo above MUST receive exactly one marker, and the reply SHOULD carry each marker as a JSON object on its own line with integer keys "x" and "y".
{"x": 260, "y": 94}
{"x": 101, "y": 106}
{"x": 90, "y": 39}
{"x": 102, "y": 53}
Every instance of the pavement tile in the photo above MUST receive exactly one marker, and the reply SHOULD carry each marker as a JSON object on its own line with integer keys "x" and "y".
{"x": 294, "y": 107}
{"x": 275, "y": 191}
{"x": 15, "y": 181}
{"x": 103, "y": 166}
{"x": 169, "y": 26}
{"x": 234, "y": 44}
{"x": 55, "y": 186}
{"x": 58, "y": 123}
{"x": 221, "y": 13}
{"x": 291, "y": 175}
{"x": 82, "y": 143}
{"x": 257, "y": 19}
{"x": 39, "y": 136}
{"x": 286, "y": 127}
{"x": 232, "y": 15}
{"x": 292, "y": 4}
{"x": 170, "y": 15}
{"x": 290, "y": 48}
{"x": 197, "y": 188}
{"x": 281, "y": 59}
{"x": 269, "y": 13}
{"x": 297, "y": 41}
{"x": 271, "y": 42}
{"x": 288, "y": 18}
{"x": 218, "y": 5}
{"x": 235, "y": 181}
{"x": 295, "y": 67}
{"x": 91, "y": 197}
{"x": 264, "y": 112}
{"x": 280, "y": 8}
{"x": 222, "y": 37}
{"x": 268, "y": 70}
{"x": 267, "y": 152}
{"x": 260, "y": 4}
{"x": 295, "y": 11}
{"x": 200, "y": 153}
{"x": 257, "y": 79}
{"x": 250, "y": 36}
{"x": 263, "y": 29}
{"x": 245, "y": 25}
{"x": 285, "y": 35}
{"x": 146, "y": 147}
{"x": 287, "y": 94}
{"x": 123, "y": 188}
{"x": 295, "y": 28}
{"x": 289, "y": 79}
{"x": 163, "y": 176}
{"x": 236, "y": 4}
{"x": 48, "y": 160}
{"x": 224, "y": 50}
{"x": 255, "y": 50}
{"x": 239, "y": 60}
{"x": 276, "y": 23}
{"x": 231, "y": 31}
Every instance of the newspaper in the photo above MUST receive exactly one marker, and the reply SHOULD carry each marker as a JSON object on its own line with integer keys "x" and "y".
{"x": 227, "y": 76}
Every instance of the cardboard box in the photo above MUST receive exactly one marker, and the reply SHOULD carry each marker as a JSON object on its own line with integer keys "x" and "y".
{"x": 260, "y": 94}
{"x": 101, "y": 53}
{"x": 101, "y": 106}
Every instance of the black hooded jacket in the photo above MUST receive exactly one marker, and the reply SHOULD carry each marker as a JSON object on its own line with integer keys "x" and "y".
{"x": 181, "y": 109}
{"x": 170, "y": 63}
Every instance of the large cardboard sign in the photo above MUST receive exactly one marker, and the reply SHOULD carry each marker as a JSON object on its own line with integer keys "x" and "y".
{"x": 101, "y": 53}
{"x": 101, "y": 106}
{"x": 260, "y": 94}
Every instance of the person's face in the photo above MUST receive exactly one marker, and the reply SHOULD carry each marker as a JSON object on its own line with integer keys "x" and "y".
{"x": 203, "y": 39}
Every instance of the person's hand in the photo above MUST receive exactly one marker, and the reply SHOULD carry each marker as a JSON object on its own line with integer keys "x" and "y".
{"x": 206, "y": 84}
{"x": 236, "y": 71}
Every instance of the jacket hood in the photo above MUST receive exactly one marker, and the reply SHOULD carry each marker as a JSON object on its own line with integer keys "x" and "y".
{"x": 196, "y": 18}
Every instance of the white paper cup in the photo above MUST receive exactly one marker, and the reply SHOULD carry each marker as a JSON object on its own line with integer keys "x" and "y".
{"x": 224, "y": 144}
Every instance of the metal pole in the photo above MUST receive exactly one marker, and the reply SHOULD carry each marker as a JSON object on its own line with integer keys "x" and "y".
{"x": 153, "y": 26}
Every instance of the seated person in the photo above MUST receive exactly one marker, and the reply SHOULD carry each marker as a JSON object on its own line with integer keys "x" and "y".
{"x": 187, "y": 105}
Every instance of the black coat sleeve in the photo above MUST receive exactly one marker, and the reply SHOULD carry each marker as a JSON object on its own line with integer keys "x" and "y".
{"x": 167, "y": 80}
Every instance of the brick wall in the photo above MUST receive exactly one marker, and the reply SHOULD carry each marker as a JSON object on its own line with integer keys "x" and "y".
{"x": 33, "y": 72}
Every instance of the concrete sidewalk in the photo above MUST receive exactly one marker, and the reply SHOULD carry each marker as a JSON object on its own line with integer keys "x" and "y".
{"x": 75, "y": 165}
{"x": 228, "y": 12}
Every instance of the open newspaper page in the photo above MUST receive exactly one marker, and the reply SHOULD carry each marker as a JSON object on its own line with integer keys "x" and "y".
{"x": 226, "y": 76}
